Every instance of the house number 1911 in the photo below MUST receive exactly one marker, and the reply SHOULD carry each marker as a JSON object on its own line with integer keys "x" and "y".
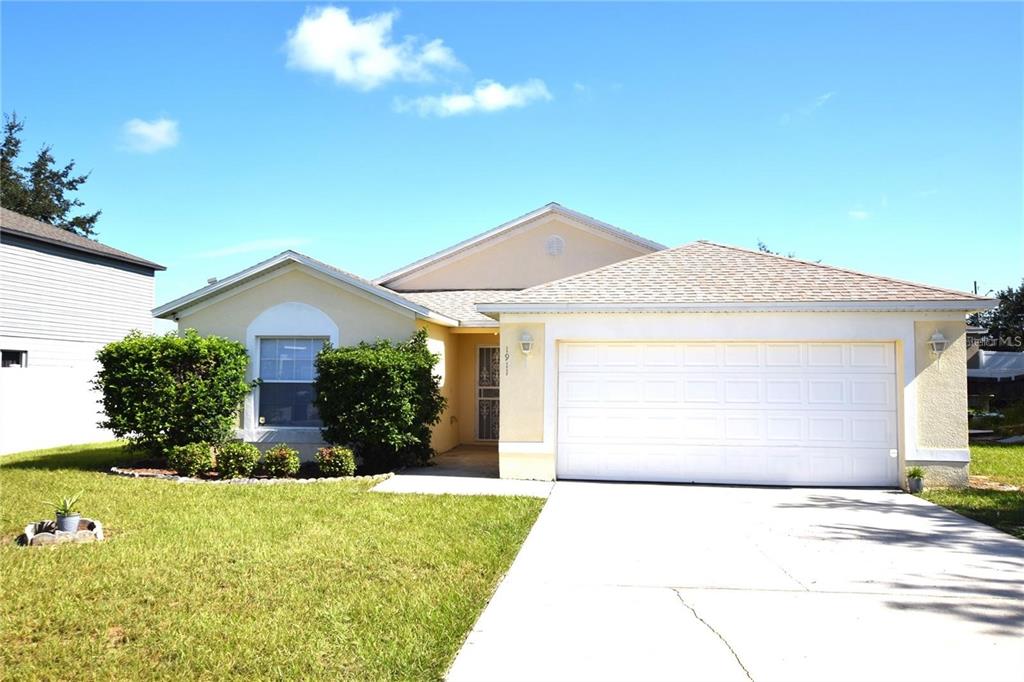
{"x": 507, "y": 356}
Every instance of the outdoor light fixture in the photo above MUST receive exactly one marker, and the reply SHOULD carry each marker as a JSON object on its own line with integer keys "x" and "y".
{"x": 526, "y": 343}
{"x": 938, "y": 343}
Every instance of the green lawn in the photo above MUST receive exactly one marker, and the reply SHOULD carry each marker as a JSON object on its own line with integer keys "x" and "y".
{"x": 1000, "y": 509}
{"x": 203, "y": 581}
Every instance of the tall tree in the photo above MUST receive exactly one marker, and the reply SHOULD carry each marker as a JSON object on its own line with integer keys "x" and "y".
{"x": 1005, "y": 322}
{"x": 42, "y": 189}
{"x": 13, "y": 192}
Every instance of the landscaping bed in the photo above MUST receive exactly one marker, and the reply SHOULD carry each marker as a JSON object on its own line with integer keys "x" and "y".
{"x": 994, "y": 496}
{"x": 213, "y": 581}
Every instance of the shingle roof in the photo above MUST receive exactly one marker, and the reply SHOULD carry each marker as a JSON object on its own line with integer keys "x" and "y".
{"x": 707, "y": 273}
{"x": 459, "y": 304}
{"x": 23, "y": 226}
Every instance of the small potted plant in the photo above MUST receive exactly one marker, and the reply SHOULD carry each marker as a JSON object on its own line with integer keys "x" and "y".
{"x": 67, "y": 515}
{"x": 915, "y": 479}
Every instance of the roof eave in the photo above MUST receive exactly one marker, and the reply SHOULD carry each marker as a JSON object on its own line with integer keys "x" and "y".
{"x": 494, "y": 309}
{"x": 141, "y": 262}
{"x": 170, "y": 309}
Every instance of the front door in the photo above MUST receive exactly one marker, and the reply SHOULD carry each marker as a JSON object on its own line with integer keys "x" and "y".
{"x": 488, "y": 369}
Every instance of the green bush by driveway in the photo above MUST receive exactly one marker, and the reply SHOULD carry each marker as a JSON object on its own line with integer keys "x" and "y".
{"x": 321, "y": 580}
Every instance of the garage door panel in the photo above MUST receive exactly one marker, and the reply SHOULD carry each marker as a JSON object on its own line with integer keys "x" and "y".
{"x": 786, "y": 413}
{"x": 615, "y": 389}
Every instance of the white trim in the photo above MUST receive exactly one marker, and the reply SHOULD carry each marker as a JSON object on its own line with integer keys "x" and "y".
{"x": 550, "y": 209}
{"x": 729, "y": 307}
{"x": 169, "y": 309}
{"x": 925, "y": 455}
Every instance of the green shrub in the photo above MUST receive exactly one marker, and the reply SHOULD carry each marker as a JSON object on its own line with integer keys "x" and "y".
{"x": 336, "y": 461}
{"x": 236, "y": 459}
{"x": 382, "y": 398}
{"x": 164, "y": 391}
{"x": 280, "y": 461}
{"x": 915, "y": 472}
{"x": 192, "y": 459}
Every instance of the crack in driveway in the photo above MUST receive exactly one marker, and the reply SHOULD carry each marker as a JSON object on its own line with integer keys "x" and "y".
{"x": 716, "y": 633}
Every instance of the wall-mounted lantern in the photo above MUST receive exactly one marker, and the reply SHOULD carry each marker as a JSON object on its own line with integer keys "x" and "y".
{"x": 938, "y": 343}
{"x": 526, "y": 343}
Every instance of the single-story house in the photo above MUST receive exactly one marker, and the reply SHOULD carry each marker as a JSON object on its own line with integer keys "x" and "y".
{"x": 62, "y": 297}
{"x": 587, "y": 352}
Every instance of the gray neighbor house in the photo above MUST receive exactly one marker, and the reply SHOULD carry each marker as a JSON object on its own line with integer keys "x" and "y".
{"x": 62, "y": 297}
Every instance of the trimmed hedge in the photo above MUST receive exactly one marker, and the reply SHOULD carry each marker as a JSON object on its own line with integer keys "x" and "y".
{"x": 336, "y": 461}
{"x": 165, "y": 391}
{"x": 236, "y": 459}
{"x": 192, "y": 459}
{"x": 280, "y": 461}
{"x": 382, "y": 398}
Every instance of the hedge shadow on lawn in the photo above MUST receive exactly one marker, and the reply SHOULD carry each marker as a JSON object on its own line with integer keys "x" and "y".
{"x": 74, "y": 458}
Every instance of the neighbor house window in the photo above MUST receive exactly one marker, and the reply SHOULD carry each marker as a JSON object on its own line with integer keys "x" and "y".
{"x": 286, "y": 376}
{"x": 13, "y": 358}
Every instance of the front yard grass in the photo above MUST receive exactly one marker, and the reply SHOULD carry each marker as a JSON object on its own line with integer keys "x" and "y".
{"x": 321, "y": 580}
{"x": 1002, "y": 509}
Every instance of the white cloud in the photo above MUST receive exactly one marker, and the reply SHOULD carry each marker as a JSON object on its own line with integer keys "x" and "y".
{"x": 253, "y": 246}
{"x": 487, "y": 96}
{"x": 579, "y": 87}
{"x": 150, "y": 136}
{"x": 362, "y": 53}
{"x": 859, "y": 214}
{"x": 808, "y": 109}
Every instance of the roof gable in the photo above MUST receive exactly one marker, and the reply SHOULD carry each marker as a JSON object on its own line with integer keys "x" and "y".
{"x": 239, "y": 279}
{"x": 705, "y": 275}
{"x": 488, "y": 239}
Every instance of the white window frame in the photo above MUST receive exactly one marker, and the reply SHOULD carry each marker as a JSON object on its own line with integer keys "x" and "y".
{"x": 258, "y": 364}
{"x": 290, "y": 320}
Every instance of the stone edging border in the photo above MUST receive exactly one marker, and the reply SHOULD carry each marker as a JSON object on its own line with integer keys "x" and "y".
{"x": 129, "y": 473}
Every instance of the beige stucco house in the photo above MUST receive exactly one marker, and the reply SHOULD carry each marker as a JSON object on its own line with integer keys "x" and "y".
{"x": 584, "y": 351}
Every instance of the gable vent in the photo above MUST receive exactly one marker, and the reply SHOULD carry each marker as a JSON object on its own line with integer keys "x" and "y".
{"x": 555, "y": 245}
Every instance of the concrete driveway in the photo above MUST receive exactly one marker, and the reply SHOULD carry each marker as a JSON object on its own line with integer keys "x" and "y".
{"x": 660, "y": 582}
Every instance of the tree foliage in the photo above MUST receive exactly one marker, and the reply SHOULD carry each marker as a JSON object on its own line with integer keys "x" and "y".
{"x": 381, "y": 398}
{"x": 41, "y": 189}
{"x": 164, "y": 391}
{"x": 1005, "y": 322}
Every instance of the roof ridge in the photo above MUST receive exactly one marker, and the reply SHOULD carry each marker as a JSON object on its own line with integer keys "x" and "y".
{"x": 826, "y": 266}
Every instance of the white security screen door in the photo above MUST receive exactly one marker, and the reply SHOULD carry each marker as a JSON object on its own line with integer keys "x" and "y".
{"x": 488, "y": 371}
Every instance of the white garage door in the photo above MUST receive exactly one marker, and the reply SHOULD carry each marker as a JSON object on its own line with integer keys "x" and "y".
{"x": 757, "y": 413}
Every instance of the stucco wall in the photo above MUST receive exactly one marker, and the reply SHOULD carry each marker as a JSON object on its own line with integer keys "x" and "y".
{"x": 521, "y": 259}
{"x": 359, "y": 317}
{"x": 440, "y": 340}
{"x": 299, "y": 301}
{"x": 522, "y": 385}
{"x": 941, "y": 386}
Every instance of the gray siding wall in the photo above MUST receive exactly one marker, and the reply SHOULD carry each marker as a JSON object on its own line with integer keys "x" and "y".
{"x": 51, "y": 293}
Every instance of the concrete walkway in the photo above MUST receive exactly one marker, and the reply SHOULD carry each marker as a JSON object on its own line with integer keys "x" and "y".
{"x": 649, "y": 582}
{"x": 466, "y": 470}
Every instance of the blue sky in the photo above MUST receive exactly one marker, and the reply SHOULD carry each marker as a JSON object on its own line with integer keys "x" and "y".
{"x": 882, "y": 137}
